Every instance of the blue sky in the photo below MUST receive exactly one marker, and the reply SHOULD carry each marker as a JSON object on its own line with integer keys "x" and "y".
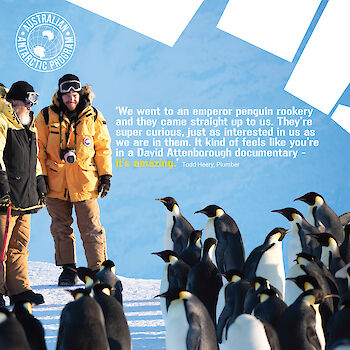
{"x": 205, "y": 68}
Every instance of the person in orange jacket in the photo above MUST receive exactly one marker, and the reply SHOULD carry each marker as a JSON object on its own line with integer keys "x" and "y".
{"x": 75, "y": 156}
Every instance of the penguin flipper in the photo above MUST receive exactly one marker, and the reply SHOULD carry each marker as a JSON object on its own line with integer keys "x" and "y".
{"x": 222, "y": 322}
{"x": 252, "y": 261}
{"x": 193, "y": 340}
{"x": 344, "y": 218}
{"x": 312, "y": 336}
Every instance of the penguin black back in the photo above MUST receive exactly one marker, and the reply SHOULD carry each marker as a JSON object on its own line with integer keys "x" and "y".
{"x": 204, "y": 279}
{"x": 33, "y": 328}
{"x": 12, "y": 335}
{"x": 192, "y": 254}
{"x": 82, "y": 324}
{"x": 107, "y": 275}
{"x": 117, "y": 329}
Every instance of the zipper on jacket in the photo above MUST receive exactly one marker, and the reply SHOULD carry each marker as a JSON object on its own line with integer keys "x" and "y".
{"x": 65, "y": 192}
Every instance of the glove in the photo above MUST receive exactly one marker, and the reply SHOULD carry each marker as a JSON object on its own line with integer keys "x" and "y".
{"x": 42, "y": 199}
{"x": 104, "y": 185}
{"x": 5, "y": 199}
{"x": 42, "y": 184}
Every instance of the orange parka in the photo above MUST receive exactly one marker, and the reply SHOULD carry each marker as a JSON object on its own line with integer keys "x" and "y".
{"x": 88, "y": 135}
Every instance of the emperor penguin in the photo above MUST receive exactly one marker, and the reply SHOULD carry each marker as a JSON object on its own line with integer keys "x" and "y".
{"x": 188, "y": 325}
{"x": 117, "y": 328}
{"x": 266, "y": 260}
{"x": 300, "y": 239}
{"x": 192, "y": 254}
{"x": 308, "y": 282}
{"x": 338, "y": 325}
{"x": 252, "y": 297}
{"x": 174, "y": 276}
{"x": 33, "y": 328}
{"x": 230, "y": 301}
{"x": 82, "y": 324}
{"x": 88, "y": 277}
{"x": 12, "y": 335}
{"x": 249, "y": 332}
{"x": 344, "y": 273}
{"x": 300, "y": 326}
{"x": 344, "y": 248}
{"x": 229, "y": 251}
{"x": 270, "y": 307}
{"x": 178, "y": 229}
{"x": 204, "y": 280}
{"x": 321, "y": 215}
{"x": 106, "y": 274}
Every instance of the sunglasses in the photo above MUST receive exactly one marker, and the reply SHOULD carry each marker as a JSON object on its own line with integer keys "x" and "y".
{"x": 31, "y": 99}
{"x": 70, "y": 86}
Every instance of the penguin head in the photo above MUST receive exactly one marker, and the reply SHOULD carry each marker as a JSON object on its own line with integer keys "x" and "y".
{"x": 196, "y": 238}
{"x": 102, "y": 288}
{"x": 175, "y": 294}
{"x": 311, "y": 198}
{"x": 109, "y": 265}
{"x": 277, "y": 234}
{"x": 211, "y": 211}
{"x": 168, "y": 256}
{"x": 291, "y": 214}
{"x": 234, "y": 275}
{"x": 265, "y": 294}
{"x": 305, "y": 282}
{"x": 170, "y": 203}
{"x": 79, "y": 293}
{"x": 87, "y": 276}
{"x": 23, "y": 307}
{"x": 312, "y": 296}
{"x": 304, "y": 258}
{"x": 344, "y": 301}
{"x": 261, "y": 283}
{"x": 208, "y": 247}
{"x": 326, "y": 240}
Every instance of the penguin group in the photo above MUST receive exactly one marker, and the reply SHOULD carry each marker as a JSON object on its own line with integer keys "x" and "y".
{"x": 95, "y": 319}
{"x": 214, "y": 297}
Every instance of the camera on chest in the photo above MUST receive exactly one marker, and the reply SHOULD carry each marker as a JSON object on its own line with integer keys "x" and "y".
{"x": 68, "y": 154}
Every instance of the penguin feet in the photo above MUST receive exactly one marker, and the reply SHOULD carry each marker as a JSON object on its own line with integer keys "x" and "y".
{"x": 69, "y": 276}
{"x": 27, "y": 296}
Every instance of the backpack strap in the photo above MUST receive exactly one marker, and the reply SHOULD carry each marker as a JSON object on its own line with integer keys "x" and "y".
{"x": 95, "y": 116}
{"x": 46, "y": 115}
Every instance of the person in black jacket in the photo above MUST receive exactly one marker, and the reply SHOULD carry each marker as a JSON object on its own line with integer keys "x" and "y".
{"x": 21, "y": 186}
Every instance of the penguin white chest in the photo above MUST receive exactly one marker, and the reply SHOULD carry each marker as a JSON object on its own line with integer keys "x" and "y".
{"x": 246, "y": 333}
{"x": 221, "y": 302}
{"x": 294, "y": 247}
{"x": 271, "y": 267}
{"x": 176, "y": 326}
{"x": 168, "y": 242}
{"x": 210, "y": 233}
{"x": 319, "y": 329}
{"x": 164, "y": 286}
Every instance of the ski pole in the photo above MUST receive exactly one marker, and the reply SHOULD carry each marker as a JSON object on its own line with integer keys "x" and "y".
{"x": 2, "y": 257}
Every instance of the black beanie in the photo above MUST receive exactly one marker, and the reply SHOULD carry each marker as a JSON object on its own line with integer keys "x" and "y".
{"x": 67, "y": 77}
{"x": 19, "y": 90}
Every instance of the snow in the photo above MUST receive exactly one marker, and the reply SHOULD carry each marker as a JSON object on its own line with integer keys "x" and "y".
{"x": 141, "y": 308}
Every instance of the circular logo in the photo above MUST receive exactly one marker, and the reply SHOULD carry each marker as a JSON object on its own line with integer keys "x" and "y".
{"x": 87, "y": 141}
{"x": 45, "y": 41}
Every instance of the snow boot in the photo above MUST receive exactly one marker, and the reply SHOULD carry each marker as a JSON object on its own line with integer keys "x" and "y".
{"x": 69, "y": 276}
{"x": 28, "y": 295}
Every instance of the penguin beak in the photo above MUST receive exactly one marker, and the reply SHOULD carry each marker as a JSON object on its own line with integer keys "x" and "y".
{"x": 163, "y": 295}
{"x": 291, "y": 279}
{"x": 283, "y": 234}
{"x": 201, "y": 211}
{"x": 331, "y": 296}
{"x": 161, "y": 200}
{"x": 277, "y": 211}
{"x": 158, "y": 253}
{"x": 302, "y": 198}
